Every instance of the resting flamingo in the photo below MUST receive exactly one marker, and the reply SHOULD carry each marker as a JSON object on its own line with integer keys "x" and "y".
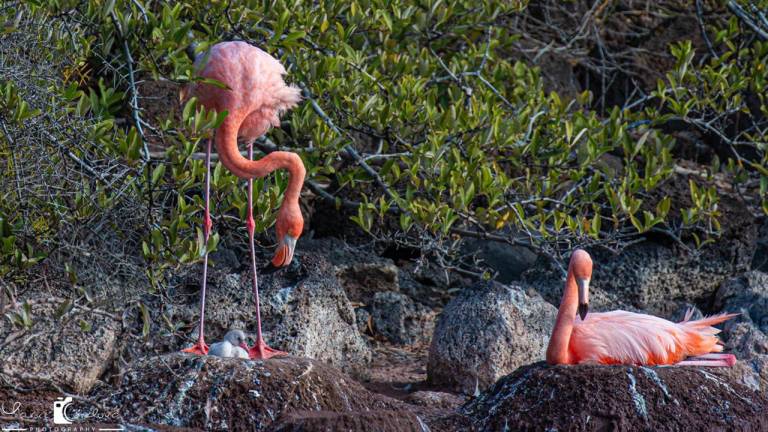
{"x": 255, "y": 98}
{"x": 620, "y": 337}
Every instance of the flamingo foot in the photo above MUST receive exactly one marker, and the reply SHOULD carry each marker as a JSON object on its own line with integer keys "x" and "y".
{"x": 200, "y": 348}
{"x": 260, "y": 351}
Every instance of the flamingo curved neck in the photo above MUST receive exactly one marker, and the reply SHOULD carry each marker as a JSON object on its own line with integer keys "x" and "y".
{"x": 230, "y": 157}
{"x": 558, "y": 350}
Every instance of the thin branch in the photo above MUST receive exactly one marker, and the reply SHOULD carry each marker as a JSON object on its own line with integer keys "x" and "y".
{"x": 132, "y": 86}
{"x": 747, "y": 19}
{"x": 702, "y": 28}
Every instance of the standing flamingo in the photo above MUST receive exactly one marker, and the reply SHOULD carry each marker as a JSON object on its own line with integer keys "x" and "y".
{"x": 621, "y": 337}
{"x": 255, "y": 98}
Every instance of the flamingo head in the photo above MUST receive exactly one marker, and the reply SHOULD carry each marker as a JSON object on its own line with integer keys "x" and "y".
{"x": 581, "y": 269}
{"x": 236, "y": 338}
{"x": 289, "y": 225}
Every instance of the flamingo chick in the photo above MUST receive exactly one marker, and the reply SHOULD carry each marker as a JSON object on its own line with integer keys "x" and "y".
{"x": 233, "y": 345}
{"x": 255, "y": 97}
{"x": 621, "y": 337}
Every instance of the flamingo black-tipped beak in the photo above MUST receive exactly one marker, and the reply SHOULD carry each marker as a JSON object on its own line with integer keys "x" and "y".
{"x": 583, "y": 285}
{"x": 583, "y": 309}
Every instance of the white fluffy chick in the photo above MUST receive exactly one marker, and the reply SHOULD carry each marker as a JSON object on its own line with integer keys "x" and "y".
{"x": 233, "y": 345}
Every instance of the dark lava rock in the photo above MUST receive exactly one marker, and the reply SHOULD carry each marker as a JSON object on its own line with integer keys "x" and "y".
{"x": 363, "y": 281}
{"x": 358, "y": 421}
{"x": 237, "y": 395}
{"x": 361, "y": 272}
{"x": 676, "y": 311}
{"x": 430, "y": 284}
{"x": 750, "y": 346}
{"x": 509, "y": 261}
{"x": 364, "y": 321}
{"x": 400, "y": 319}
{"x": 760, "y": 260}
{"x": 486, "y": 332}
{"x": 748, "y": 295}
{"x": 617, "y": 398}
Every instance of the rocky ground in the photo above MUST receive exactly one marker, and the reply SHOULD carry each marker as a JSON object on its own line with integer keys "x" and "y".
{"x": 368, "y": 353}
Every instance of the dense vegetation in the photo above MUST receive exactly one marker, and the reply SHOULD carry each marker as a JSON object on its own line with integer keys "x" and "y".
{"x": 424, "y": 123}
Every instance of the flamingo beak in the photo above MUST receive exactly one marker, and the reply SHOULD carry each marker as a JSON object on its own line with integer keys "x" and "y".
{"x": 284, "y": 253}
{"x": 583, "y": 297}
{"x": 244, "y": 346}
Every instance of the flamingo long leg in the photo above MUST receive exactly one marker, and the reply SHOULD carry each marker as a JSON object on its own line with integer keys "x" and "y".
{"x": 260, "y": 349}
{"x": 706, "y": 363}
{"x": 727, "y": 360}
{"x": 714, "y": 356}
{"x": 200, "y": 347}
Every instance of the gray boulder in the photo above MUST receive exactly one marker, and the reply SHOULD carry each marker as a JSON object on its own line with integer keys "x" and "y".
{"x": 67, "y": 346}
{"x": 364, "y": 321}
{"x": 400, "y": 319}
{"x": 750, "y": 346}
{"x": 748, "y": 295}
{"x": 486, "y": 332}
{"x": 745, "y": 335}
{"x": 305, "y": 312}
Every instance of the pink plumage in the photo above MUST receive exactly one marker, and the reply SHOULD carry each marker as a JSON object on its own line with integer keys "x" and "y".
{"x": 256, "y": 86}
{"x": 621, "y": 337}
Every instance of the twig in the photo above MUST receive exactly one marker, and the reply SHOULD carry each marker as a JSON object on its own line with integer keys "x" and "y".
{"x": 700, "y": 17}
{"x": 747, "y": 19}
{"x": 349, "y": 149}
{"x": 13, "y": 160}
{"x": 132, "y": 85}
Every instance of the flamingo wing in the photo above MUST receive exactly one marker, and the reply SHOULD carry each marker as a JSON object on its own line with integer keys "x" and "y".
{"x": 621, "y": 337}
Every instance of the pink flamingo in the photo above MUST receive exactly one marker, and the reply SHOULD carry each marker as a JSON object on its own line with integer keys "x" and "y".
{"x": 255, "y": 98}
{"x": 620, "y": 337}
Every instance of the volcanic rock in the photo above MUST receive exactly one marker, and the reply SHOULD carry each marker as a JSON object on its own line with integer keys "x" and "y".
{"x": 64, "y": 345}
{"x": 240, "y": 395}
{"x": 486, "y": 332}
{"x": 400, "y": 319}
{"x": 599, "y": 398}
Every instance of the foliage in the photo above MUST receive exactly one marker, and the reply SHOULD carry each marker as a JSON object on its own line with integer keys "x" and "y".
{"x": 416, "y": 120}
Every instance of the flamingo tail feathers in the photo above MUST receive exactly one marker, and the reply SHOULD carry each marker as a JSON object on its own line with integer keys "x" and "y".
{"x": 706, "y": 321}
{"x": 701, "y": 336}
